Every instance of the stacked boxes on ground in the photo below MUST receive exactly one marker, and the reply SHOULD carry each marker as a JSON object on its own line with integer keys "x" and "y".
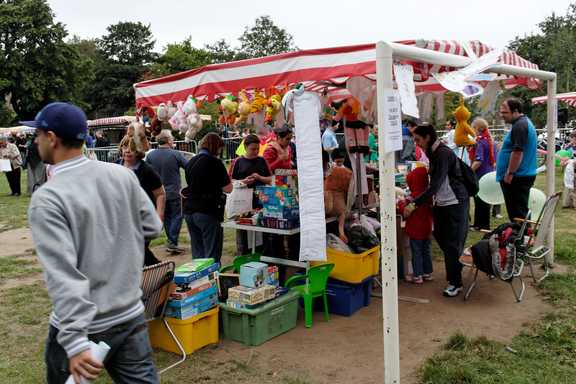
{"x": 197, "y": 291}
{"x": 258, "y": 284}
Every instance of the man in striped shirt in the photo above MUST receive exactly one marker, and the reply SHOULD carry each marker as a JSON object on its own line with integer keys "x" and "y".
{"x": 88, "y": 223}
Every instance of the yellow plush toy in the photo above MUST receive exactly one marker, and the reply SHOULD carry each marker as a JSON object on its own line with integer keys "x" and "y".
{"x": 273, "y": 106}
{"x": 464, "y": 135}
{"x": 258, "y": 102}
{"x": 243, "y": 107}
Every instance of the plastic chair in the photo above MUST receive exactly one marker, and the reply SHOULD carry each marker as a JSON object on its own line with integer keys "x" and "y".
{"x": 156, "y": 287}
{"x": 314, "y": 286}
{"x": 239, "y": 261}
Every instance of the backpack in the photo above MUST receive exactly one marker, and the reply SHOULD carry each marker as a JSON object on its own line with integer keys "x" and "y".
{"x": 468, "y": 177}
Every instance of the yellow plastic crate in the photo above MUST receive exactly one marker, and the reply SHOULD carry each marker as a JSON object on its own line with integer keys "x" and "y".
{"x": 193, "y": 333}
{"x": 353, "y": 268}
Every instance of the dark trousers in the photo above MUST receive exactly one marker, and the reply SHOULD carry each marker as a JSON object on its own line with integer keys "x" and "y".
{"x": 450, "y": 231}
{"x": 14, "y": 180}
{"x": 149, "y": 257}
{"x": 481, "y": 214}
{"x": 129, "y": 360}
{"x": 421, "y": 257}
{"x": 173, "y": 220}
{"x": 206, "y": 236}
{"x": 516, "y": 195}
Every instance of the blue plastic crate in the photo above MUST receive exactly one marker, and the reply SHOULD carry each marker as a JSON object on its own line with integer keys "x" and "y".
{"x": 345, "y": 299}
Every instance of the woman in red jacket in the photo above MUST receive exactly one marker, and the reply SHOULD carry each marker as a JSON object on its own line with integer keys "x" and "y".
{"x": 278, "y": 153}
{"x": 419, "y": 227}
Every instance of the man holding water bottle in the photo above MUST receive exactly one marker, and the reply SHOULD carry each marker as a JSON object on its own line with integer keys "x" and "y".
{"x": 88, "y": 223}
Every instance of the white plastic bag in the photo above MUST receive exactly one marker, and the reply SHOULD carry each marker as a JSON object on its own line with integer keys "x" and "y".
{"x": 334, "y": 242}
{"x": 239, "y": 201}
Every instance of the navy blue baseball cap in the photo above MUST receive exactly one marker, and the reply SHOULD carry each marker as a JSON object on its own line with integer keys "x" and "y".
{"x": 66, "y": 120}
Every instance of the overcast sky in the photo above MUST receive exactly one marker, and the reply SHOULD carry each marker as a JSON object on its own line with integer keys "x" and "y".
{"x": 315, "y": 23}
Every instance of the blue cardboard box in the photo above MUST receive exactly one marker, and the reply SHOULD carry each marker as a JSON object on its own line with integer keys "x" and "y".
{"x": 253, "y": 274}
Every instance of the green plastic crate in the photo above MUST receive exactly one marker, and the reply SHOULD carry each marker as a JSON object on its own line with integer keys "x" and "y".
{"x": 256, "y": 326}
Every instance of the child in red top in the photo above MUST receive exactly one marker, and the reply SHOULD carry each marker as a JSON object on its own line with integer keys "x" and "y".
{"x": 419, "y": 227}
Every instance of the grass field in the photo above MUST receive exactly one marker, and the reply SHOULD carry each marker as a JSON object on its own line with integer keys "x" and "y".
{"x": 541, "y": 353}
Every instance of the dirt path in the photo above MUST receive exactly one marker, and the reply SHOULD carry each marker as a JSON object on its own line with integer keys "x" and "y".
{"x": 349, "y": 349}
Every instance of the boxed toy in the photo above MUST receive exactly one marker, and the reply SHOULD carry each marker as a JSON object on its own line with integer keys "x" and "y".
{"x": 253, "y": 274}
{"x": 187, "y": 273}
{"x": 243, "y": 297}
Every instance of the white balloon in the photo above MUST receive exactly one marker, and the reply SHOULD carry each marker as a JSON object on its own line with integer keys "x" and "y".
{"x": 489, "y": 189}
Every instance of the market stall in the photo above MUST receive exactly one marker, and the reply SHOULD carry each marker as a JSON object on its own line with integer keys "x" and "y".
{"x": 429, "y": 65}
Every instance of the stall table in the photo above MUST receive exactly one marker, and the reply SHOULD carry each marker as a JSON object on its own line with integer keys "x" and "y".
{"x": 252, "y": 229}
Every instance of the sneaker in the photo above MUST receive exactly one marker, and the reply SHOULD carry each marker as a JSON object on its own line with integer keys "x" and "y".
{"x": 452, "y": 291}
{"x": 417, "y": 280}
{"x": 499, "y": 216}
{"x": 427, "y": 277}
{"x": 174, "y": 249}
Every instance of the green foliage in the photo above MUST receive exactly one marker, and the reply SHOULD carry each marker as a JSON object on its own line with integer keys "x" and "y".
{"x": 265, "y": 38}
{"x": 36, "y": 66}
{"x": 178, "y": 57}
{"x": 128, "y": 43}
{"x": 553, "y": 49}
{"x": 222, "y": 52}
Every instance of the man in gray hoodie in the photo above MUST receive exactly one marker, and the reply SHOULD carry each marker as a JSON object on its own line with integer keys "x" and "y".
{"x": 88, "y": 223}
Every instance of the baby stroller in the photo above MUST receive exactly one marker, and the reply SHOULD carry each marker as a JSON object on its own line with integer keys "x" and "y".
{"x": 504, "y": 252}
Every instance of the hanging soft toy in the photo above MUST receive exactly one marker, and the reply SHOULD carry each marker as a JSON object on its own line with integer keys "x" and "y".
{"x": 171, "y": 109}
{"x": 162, "y": 112}
{"x": 229, "y": 105}
{"x": 178, "y": 121}
{"x": 464, "y": 135}
{"x": 194, "y": 126}
{"x": 189, "y": 106}
{"x": 273, "y": 106}
{"x": 258, "y": 103}
{"x": 243, "y": 107}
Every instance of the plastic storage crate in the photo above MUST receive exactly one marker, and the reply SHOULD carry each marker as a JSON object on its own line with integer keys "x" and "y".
{"x": 345, "y": 299}
{"x": 258, "y": 325}
{"x": 353, "y": 268}
{"x": 193, "y": 333}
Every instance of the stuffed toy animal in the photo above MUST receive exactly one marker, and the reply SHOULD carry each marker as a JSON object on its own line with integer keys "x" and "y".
{"x": 162, "y": 112}
{"x": 243, "y": 107}
{"x": 258, "y": 102}
{"x": 229, "y": 105}
{"x": 274, "y": 103}
{"x": 178, "y": 121}
{"x": 464, "y": 135}
{"x": 171, "y": 109}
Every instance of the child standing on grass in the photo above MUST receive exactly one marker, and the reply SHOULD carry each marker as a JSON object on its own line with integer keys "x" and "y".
{"x": 419, "y": 227}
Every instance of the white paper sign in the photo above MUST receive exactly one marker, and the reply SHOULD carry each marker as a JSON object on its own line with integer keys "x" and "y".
{"x": 393, "y": 121}
{"x": 405, "y": 80}
{"x": 5, "y": 165}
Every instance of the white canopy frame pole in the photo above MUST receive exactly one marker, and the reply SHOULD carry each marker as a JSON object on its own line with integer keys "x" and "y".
{"x": 551, "y": 125}
{"x": 388, "y": 251}
{"x": 385, "y": 54}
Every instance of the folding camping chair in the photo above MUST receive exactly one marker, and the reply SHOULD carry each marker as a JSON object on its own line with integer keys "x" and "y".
{"x": 527, "y": 247}
{"x": 156, "y": 286}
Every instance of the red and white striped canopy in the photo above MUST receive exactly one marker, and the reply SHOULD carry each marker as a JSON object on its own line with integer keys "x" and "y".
{"x": 106, "y": 121}
{"x": 568, "y": 98}
{"x": 316, "y": 68}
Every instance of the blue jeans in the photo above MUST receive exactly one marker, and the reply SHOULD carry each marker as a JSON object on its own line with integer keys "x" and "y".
{"x": 173, "y": 220}
{"x": 206, "y": 236}
{"x": 129, "y": 360}
{"x": 421, "y": 257}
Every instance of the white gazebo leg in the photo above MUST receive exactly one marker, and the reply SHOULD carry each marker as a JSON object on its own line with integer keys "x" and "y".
{"x": 384, "y": 82}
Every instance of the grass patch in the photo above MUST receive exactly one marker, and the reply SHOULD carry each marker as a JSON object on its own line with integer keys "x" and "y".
{"x": 12, "y": 267}
{"x": 13, "y": 209}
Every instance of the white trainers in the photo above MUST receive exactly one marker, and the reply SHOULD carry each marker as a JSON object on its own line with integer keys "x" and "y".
{"x": 452, "y": 291}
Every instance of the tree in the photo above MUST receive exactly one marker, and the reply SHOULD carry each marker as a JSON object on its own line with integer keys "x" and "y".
{"x": 222, "y": 52}
{"x": 129, "y": 43}
{"x": 179, "y": 57}
{"x": 36, "y": 65}
{"x": 553, "y": 49}
{"x": 265, "y": 38}
{"x": 125, "y": 54}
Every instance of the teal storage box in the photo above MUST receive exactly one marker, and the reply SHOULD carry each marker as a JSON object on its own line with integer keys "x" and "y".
{"x": 253, "y": 274}
{"x": 258, "y": 325}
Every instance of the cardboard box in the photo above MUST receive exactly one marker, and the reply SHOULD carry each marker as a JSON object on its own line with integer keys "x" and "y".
{"x": 253, "y": 274}
{"x": 251, "y": 296}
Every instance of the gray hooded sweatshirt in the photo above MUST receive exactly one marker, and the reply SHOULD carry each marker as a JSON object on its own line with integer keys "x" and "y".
{"x": 89, "y": 222}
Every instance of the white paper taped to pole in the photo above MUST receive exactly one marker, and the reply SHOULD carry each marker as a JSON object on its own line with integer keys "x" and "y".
{"x": 393, "y": 123}
{"x": 307, "y": 110}
{"x": 99, "y": 352}
{"x": 407, "y": 90}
